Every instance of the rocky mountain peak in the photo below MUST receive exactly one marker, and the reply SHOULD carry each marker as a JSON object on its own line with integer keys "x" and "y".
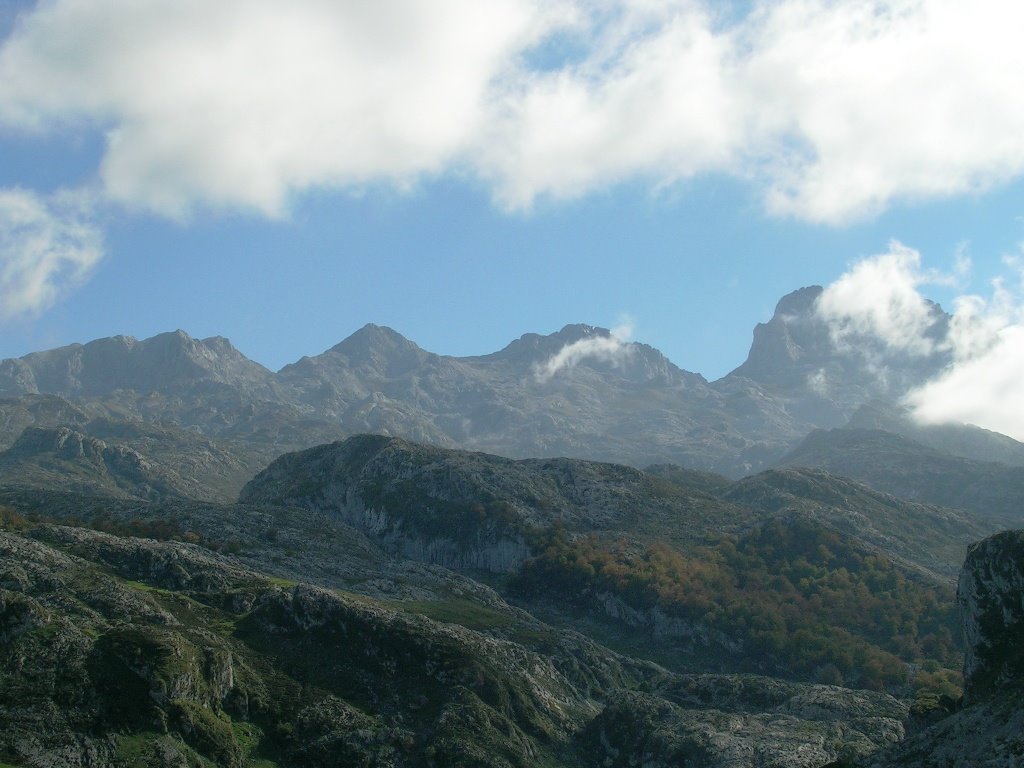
{"x": 122, "y": 362}
{"x": 795, "y": 336}
{"x": 377, "y": 346}
{"x": 535, "y": 348}
{"x": 373, "y": 337}
{"x": 576, "y": 331}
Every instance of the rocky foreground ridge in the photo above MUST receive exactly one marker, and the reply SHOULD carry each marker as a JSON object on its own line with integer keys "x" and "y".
{"x": 591, "y": 614}
{"x": 125, "y": 651}
{"x": 121, "y": 650}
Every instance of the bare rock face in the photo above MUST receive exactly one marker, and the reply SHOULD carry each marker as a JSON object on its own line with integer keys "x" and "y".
{"x": 991, "y": 597}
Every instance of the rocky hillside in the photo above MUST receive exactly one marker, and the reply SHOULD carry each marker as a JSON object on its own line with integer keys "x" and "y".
{"x": 930, "y": 537}
{"x": 649, "y": 557}
{"x": 963, "y": 440}
{"x": 118, "y": 650}
{"x": 476, "y": 510}
{"x": 171, "y": 464}
{"x": 989, "y": 491}
{"x": 621, "y": 618}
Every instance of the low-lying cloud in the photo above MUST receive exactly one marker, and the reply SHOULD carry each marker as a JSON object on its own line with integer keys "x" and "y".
{"x": 984, "y": 382}
{"x": 47, "y": 246}
{"x": 833, "y": 110}
{"x": 613, "y": 348}
{"x": 879, "y": 298}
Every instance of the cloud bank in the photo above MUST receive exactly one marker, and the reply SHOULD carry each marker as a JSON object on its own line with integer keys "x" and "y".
{"x": 834, "y": 109}
{"x": 614, "y": 349}
{"x": 984, "y": 382}
{"x": 47, "y": 246}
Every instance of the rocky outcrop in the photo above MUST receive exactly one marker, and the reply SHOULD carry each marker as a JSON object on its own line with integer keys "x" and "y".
{"x": 469, "y": 510}
{"x": 991, "y": 597}
{"x": 639, "y": 729}
{"x": 987, "y": 731}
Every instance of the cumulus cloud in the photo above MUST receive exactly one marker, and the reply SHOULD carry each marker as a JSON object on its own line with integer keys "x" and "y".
{"x": 238, "y": 103}
{"x": 833, "y": 108}
{"x": 878, "y": 298}
{"x": 983, "y": 384}
{"x": 656, "y": 97}
{"x": 613, "y": 348}
{"x": 47, "y": 246}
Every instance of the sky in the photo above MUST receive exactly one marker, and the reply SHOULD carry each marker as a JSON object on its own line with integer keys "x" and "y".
{"x": 466, "y": 172}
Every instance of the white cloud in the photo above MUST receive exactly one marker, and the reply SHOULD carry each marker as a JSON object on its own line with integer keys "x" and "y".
{"x": 613, "y": 348}
{"x": 654, "y": 98}
{"x": 238, "y": 103}
{"x": 879, "y": 101}
{"x": 983, "y": 384}
{"x": 46, "y": 248}
{"x": 878, "y": 298}
{"x": 833, "y": 108}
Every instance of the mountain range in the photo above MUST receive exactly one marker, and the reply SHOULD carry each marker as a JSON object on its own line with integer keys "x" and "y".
{"x": 578, "y": 392}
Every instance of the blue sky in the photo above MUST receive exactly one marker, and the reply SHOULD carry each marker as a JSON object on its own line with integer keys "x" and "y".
{"x": 481, "y": 170}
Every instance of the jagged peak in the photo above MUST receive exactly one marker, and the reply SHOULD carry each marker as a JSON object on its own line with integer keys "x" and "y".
{"x": 373, "y": 336}
{"x": 798, "y": 302}
{"x": 535, "y": 346}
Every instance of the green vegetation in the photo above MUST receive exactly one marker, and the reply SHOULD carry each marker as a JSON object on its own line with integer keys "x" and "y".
{"x": 456, "y": 611}
{"x": 799, "y": 598}
{"x": 170, "y": 528}
{"x": 10, "y": 520}
{"x": 461, "y": 520}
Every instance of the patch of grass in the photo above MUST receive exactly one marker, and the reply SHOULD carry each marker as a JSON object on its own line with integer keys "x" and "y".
{"x": 141, "y": 587}
{"x": 456, "y": 611}
{"x": 249, "y": 737}
{"x": 283, "y": 583}
{"x": 538, "y": 639}
{"x": 138, "y": 749}
{"x": 206, "y": 731}
{"x": 149, "y": 750}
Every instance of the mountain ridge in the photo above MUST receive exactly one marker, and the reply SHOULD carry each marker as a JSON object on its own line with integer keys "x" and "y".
{"x": 579, "y": 392}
